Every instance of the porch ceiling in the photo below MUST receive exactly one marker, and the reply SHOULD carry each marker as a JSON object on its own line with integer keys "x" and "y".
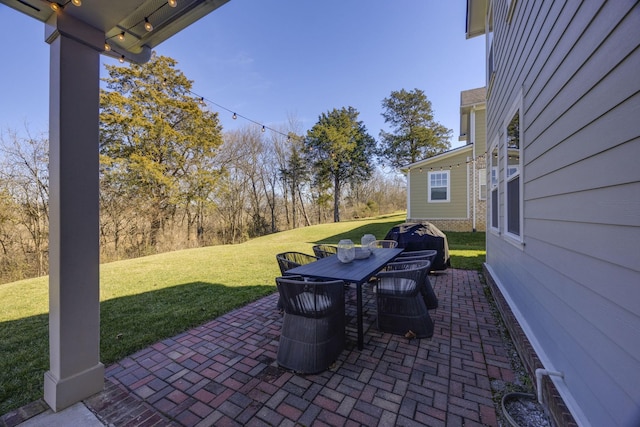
{"x": 114, "y": 17}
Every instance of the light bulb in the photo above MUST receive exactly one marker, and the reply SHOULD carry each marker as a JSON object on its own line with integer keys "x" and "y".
{"x": 172, "y": 3}
{"x": 55, "y": 7}
{"x": 263, "y": 129}
{"x": 121, "y": 36}
{"x": 147, "y": 25}
{"x": 121, "y": 59}
{"x": 235, "y": 116}
{"x": 77, "y": 2}
{"x": 107, "y": 47}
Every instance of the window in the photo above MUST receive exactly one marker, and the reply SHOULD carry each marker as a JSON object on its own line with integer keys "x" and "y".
{"x": 513, "y": 202}
{"x": 482, "y": 182}
{"x": 493, "y": 186}
{"x": 439, "y": 186}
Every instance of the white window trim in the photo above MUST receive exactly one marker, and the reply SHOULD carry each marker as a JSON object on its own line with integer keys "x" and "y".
{"x": 482, "y": 182}
{"x": 448, "y": 174}
{"x": 490, "y": 185}
{"x": 517, "y": 106}
{"x": 511, "y": 5}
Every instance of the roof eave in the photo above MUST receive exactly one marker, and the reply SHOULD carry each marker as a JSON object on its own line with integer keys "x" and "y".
{"x": 476, "y": 11}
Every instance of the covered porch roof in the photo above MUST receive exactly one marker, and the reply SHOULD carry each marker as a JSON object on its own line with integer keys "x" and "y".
{"x": 116, "y": 17}
{"x": 78, "y": 32}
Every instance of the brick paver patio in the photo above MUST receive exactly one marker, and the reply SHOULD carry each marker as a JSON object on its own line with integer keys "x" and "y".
{"x": 224, "y": 373}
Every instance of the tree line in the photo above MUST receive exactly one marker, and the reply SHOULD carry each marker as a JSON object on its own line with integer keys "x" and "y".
{"x": 171, "y": 178}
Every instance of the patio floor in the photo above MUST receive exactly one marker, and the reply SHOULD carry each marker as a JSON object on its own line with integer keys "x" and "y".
{"x": 224, "y": 373}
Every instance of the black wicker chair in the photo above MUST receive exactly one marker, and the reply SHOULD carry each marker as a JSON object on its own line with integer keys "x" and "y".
{"x": 427, "y": 254}
{"x": 323, "y": 251}
{"x": 401, "y": 301}
{"x": 289, "y": 260}
{"x": 430, "y": 298}
{"x": 313, "y": 328}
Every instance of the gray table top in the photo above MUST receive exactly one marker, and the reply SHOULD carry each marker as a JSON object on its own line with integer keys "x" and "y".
{"x": 356, "y": 271}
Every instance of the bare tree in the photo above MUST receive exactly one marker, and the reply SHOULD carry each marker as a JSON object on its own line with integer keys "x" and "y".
{"x": 25, "y": 175}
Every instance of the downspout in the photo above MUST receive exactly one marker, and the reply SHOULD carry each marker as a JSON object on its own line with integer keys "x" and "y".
{"x": 540, "y": 372}
{"x": 472, "y": 136}
{"x": 408, "y": 194}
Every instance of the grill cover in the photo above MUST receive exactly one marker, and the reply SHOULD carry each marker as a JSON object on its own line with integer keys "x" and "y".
{"x": 418, "y": 236}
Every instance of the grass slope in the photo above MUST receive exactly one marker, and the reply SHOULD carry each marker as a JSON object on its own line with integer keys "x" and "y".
{"x": 145, "y": 300}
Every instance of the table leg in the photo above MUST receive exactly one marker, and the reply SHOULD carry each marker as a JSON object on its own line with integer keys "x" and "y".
{"x": 359, "y": 315}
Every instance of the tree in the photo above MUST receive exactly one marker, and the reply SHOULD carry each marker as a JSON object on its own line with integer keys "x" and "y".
{"x": 24, "y": 178}
{"x": 340, "y": 151}
{"x": 155, "y": 137}
{"x": 416, "y": 135}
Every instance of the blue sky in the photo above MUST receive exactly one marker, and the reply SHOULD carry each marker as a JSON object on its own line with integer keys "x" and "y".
{"x": 271, "y": 60}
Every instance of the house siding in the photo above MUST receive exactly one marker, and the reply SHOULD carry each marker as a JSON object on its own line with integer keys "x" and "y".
{"x": 574, "y": 281}
{"x": 466, "y": 210}
{"x": 457, "y": 207}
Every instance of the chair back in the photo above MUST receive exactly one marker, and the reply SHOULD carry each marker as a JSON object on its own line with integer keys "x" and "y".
{"x": 387, "y": 244}
{"x": 402, "y": 278}
{"x": 430, "y": 298}
{"x": 428, "y": 254}
{"x": 323, "y": 251}
{"x": 289, "y": 260}
{"x": 311, "y": 298}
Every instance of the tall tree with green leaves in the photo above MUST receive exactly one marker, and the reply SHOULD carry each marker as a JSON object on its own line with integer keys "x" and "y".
{"x": 157, "y": 141}
{"x": 340, "y": 150}
{"x": 415, "y": 135}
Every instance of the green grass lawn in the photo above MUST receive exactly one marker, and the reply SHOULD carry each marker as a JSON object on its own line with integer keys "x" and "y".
{"x": 145, "y": 300}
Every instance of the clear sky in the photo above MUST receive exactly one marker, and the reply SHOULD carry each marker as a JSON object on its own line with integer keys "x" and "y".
{"x": 269, "y": 60}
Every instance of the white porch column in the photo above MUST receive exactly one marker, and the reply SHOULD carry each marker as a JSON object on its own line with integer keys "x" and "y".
{"x": 74, "y": 291}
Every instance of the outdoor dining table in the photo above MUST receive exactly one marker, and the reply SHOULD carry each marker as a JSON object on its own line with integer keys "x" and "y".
{"x": 357, "y": 271}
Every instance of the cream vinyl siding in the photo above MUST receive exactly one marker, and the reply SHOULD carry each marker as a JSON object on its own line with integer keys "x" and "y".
{"x": 574, "y": 282}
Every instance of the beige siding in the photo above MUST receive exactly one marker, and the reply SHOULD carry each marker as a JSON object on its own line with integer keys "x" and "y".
{"x": 575, "y": 281}
{"x": 457, "y": 207}
{"x": 481, "y": 132}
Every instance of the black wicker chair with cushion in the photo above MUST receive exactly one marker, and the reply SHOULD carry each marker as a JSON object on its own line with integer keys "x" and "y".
{"x": 289, "y": 260}
{"x": 323, "y": 251}
{"x": 430, "y": 298}
{"x": 313, "y": 328}
{"x": 401, "y": 304}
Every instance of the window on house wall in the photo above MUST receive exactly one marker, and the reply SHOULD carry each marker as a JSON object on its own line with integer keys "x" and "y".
{"x": 482, "y": 183}
{"x": 512, "y": 173}
{"x": 439, "y": 186}
{"x": 493, "y": 186}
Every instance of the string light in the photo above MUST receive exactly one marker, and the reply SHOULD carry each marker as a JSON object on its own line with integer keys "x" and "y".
{"x": 121, "y": 36}
{"x": 56, "y": 7}
{"x": 478, "y": 159}
{"x": 172, "y": 3}
{"x": 202, "y": 100}
{"x": 77, "y": 3}
{"x": 107, "y": 47}
{"x": 121, "y": 59}
{"x": 147, "y": 25}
